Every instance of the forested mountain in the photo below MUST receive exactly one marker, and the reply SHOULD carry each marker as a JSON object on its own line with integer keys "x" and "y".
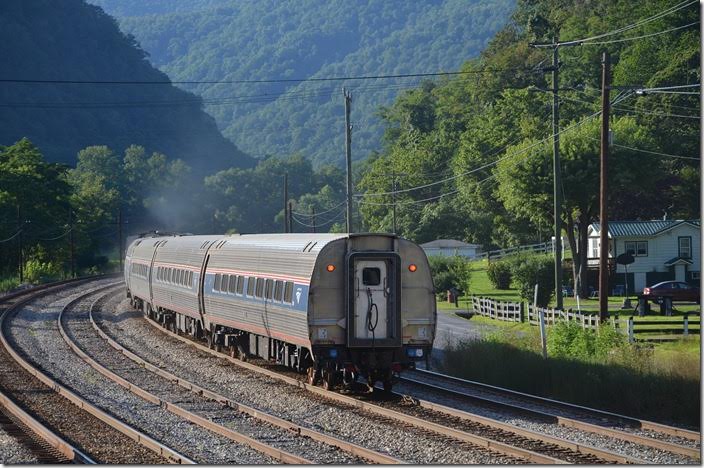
{"x": 263, "y": 39}
{"x": 71, "y": 40}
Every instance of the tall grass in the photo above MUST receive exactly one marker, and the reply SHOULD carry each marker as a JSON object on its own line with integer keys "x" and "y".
{"x": 618, "y": 377}
{"x": 8, "y": 284}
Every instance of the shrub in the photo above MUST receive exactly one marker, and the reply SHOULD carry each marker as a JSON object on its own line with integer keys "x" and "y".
{"x": 499, "y": 274}
{"x": 36, "y": 271}
{"x": 531, "y": 269}
{"x": 449, "y": 272}
{"x": 569, "y": 340}
{"x": 8, "y": 284}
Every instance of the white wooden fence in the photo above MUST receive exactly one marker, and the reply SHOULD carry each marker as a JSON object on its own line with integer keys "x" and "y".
{"x": 518, "y": 312}
{"x": 499, "y": 310}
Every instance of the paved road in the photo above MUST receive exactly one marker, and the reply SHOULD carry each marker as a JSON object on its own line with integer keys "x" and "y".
{"x": 452, "y": 328}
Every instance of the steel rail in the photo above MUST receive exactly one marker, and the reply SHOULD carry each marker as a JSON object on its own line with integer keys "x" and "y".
{"x": 629, "y": 420}
{"x": 565, "y": 421}
{"x": 54, "y": 440}
{"x": 277, "y": 454}
{"x": 484, "y": 442}
{"x": 349, "y": 447}
{"x": 81, "y": 403}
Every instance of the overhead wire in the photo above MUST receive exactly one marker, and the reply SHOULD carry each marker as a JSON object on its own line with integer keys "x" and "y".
{"x": 638, "y": 23}
{"x": 17, "y": 233}
{"x": 626, "y": 39}
{"x": 318, "y": 214}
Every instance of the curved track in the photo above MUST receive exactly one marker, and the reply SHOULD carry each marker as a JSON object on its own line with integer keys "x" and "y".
{"x": 63, "y": 420}
{"x": 164, "y": 387}
{"x": 503, "y": 438}
{"x": 645, "y": 433}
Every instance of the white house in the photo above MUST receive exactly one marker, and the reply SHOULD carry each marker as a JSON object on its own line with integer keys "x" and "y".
{"x": 450, "y": 247}
{"x": 662, "y": 249}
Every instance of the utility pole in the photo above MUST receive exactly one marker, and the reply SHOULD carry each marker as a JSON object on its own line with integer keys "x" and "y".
{"x": 20, "y": 226}
{"x": 72, "y": 246}
{"x": 290, "y": 216}
{"x": 314, "y": 231}
{"x": 557, "y": 178}
{"x": 286, "y": 202}
{"x": 603, "y": 190}
{"x": 119, "y": 235}
{"x": 393, "y": 194}
{"x": 348, "y": 156}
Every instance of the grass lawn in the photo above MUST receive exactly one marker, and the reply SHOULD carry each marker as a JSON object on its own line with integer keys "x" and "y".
{"x": 479, "y": 285}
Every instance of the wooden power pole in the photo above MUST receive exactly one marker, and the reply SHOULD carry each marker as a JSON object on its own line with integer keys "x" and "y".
{"x": 348, "y": 156}
{"x": 290, "y": 216}
{"x": 72, "y": 245}
{"x": 119, "y": 237}
{"x": 314, "y": 228}
{"x": 603, "y": 191}
{"x": 286, "y": 202}
{"x": 20, "y": 226}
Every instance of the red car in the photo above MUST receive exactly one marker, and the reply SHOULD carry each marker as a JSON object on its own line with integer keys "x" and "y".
{"x": 678, "y": 290}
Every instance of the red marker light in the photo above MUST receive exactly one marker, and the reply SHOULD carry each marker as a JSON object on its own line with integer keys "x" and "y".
{"x": 412, "y": 267}
{"x": 330, "y": 268}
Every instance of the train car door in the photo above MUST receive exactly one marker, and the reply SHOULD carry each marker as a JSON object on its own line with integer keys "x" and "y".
{"x": 374, "y": 318}
{"x": 371, "y": 308}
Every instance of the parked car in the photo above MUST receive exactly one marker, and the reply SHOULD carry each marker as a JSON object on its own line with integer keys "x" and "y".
{"x": 678, "y": 290}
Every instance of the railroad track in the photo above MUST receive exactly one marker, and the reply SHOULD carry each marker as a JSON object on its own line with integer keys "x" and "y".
{"x": 484, "y": 432}
{"x": 378, "y": 433}
{"x": 202, "y": 406}
{"x": 640, "y": 432}
{"x": 63, "y": 424}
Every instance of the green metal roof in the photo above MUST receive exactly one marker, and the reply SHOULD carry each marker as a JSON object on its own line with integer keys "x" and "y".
{"x": 641, "y": 228}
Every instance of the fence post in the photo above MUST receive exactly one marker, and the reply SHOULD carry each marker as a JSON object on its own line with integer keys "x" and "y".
{"x": 521, "y": 311}
{"x": 686, "y": 324}
{"x": 614, "y": 321}
{"x": 631, "y": 338}
{"x": 543, "y": 341}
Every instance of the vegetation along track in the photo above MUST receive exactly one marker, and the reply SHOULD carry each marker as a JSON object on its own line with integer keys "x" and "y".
{"x": 458, "y": 392}
{"x": 566, "y": 445}
{"x": 484, "y": 432}
{"x": 380, "y": 434}
{"x": 284, "y": 440}
{"x": 47, "y": 412}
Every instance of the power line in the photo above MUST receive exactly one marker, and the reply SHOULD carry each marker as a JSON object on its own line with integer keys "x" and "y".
{"x": 19, "y": 231}
{"x": 318, "y": 214}
{"x": 652, "y": 152}
{"x": 59, "y": 236}
{"x": 484, "y": 166}
{"x": 261, "y": 81}
{"x": 641, "y": 37}
{"x": 657, "y": 16}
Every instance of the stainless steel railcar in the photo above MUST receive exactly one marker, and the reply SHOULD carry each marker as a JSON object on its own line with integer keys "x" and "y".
{"x": 333, "y": 305}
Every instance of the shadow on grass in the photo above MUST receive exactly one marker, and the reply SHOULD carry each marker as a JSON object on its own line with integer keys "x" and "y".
{"x": 668, "y": 398}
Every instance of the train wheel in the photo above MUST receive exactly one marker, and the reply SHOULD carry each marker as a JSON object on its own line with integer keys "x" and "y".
{"x": 328, "y": 380}
{"x": 311, "y": 378}
{"x": 233, "y": 352}
{"x": 387, "y": 385}
{"x": 241, "y": 353}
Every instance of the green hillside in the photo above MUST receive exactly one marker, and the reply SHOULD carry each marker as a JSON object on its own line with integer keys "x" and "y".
{"x": 245, "y": 40}
{"x": 71, "y": 40}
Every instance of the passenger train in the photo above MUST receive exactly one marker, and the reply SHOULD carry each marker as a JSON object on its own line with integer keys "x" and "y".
{"x": 336, "y": 306}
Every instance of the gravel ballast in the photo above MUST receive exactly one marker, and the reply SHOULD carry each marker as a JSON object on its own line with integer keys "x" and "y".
{"x": 413, "y": 445}
{"x": 34, "y": 330}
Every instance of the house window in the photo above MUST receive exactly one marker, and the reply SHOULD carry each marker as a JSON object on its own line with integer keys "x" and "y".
{"x": 685, "y": 247}
{"x": 595, "y": 248}
{"x": 695, "y": 275}
{"x": 637, "y": 248}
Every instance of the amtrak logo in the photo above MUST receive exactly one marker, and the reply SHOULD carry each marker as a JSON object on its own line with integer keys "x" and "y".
{"x": 299, "y": 291}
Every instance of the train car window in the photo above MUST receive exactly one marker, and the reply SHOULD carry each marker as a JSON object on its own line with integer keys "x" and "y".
{"x": 240, "y": 285}
{"x": 190, "y": 279}
{"x": 288, "y": 292}
{"x": 371, "y": 276}
{"x": 182, "y": 277}
{"x": 269, "y": 288}
{"x": 260, "y": 288}
{"x": 232, "y": 285}
{"x": 278, "y": 290}
{"x": 250, "y": 286}
{"x": 218, "y": 282}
